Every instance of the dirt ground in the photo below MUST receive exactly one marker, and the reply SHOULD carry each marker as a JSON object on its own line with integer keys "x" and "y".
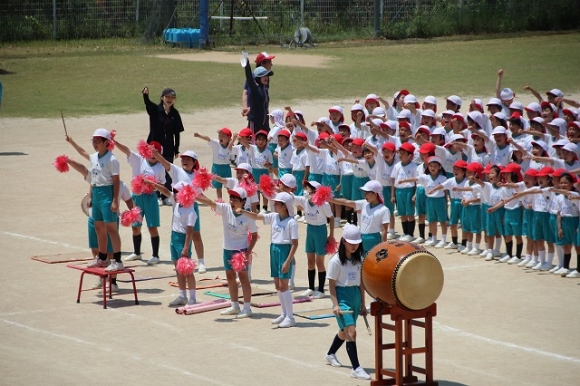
{"x": 295, "y": 60}
{"x": 496, "y": 324}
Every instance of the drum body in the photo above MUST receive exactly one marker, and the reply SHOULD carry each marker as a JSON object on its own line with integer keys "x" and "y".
{"x": 85, "y": 205}
{"x": 402, "y": 274}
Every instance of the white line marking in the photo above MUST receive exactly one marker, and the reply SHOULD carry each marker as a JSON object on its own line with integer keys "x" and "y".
{"x": 164, "y": 325}
{"x": 507, "y": 344}
{"x": 66, "y": 337}
{"x": 33, "y": 311}
{"x": 42, "y": 240}
{"x": 462, "y": 266}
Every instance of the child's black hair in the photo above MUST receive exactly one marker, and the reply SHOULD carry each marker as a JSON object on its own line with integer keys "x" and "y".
{"x": 570, "y": 179}
{"x": 441, "y": 170}
{"x": 356, "y": 256}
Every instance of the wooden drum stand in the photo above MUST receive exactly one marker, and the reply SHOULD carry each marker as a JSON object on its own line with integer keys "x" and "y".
{"x": 404, "y": 321}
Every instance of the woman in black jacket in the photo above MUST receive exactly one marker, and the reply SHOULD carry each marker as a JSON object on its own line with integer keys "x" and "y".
{"x": 165, "y": 127}
{"x": 259, "y": 98}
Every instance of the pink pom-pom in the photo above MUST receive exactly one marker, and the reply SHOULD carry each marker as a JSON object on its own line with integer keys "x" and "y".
{"x": 185, "y": 266}
{"x": 138, "y": 186}
{"x": 248, "y": 185}
{"x": 322, "y": 195}
{"x": 331, "y": 246}
{"x": 145, "y": 150}
{"x": 61, "y": 163}
{"x": 267, "y": 186}
{"x": 111, "y": 144}
{"x": 250, "y": 237}
{"x": 186, "y": 196}
{"x": 202, "y": 178}
{"x": 238, "y": 261}
{"x": 148, "y": 189}
{"x": 129, "y": 217}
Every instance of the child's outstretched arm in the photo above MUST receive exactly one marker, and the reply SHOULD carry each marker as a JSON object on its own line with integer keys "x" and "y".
{"x": 498, "y": 84}
{"x": 166, "y": 164}
{"x": 79, "y": 149}
{"x": 201, "y": 136}
{"x": 206, "y": 201}
{"x": 161, "y": 188}
{"x": 252, "y": 215}
{"x": 343, "y": 201}
{"x": 219, "y": 179}
{"x": 124, "y": 149}
{"x": 408, "y": 180}
{"x": 78, "y": 167}
{"x": 311, "y": 148}
{"x": 435, "y": 189}
{"x": 534, "y": 93}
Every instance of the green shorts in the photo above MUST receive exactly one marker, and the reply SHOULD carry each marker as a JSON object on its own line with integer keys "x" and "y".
{"x": 227, "y": 256}
{"x": 349, "y": 299}
{"x": 222, "y": 170}
{"x": 176, "y": 245}
{"x": 316, "y": 239}
{"x": 149, "y": 209}
{"x": 278, "y": 255}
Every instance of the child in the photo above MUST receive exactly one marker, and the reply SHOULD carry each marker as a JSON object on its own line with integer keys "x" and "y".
{"x": 242, "y": 169}
{"x": 241, "y": 153}
{"x": 420, "y": 198}
{"x": 471, "y": 213}
{"x": 277, "y": 121}
{"x": 261, "y": 162}
{"x": 299, "y": 162}
{"x": 182, "y": 224}
{"x": 316, "y": 237}
{"x": 147, "y": 202}
{"x": 284, "y": 243}
{"x": 374, "y": 216}
{"x": 568, "y": 215}
{"x": 236, "y": 228}
{"x": 347, "y": 294}
{"x": 402, "y": 194}
{"x": 220, "y": 156}
{"x": 104, "y": 200}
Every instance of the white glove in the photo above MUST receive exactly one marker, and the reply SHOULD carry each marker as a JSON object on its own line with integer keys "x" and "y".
{"x": 244, "y": 59}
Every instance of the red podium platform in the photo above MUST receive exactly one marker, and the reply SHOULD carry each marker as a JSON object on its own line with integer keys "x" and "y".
{"x": 106, "y": 276}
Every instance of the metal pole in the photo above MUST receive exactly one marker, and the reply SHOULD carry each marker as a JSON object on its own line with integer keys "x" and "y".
{"x": 377, "y": 14}
{"x": 137, "y": 12}
{"x": 54, "y": 19}
{"x": 302, "y": 13}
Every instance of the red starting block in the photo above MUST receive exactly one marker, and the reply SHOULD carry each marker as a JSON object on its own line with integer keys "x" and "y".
{"x": 106, "y": 276}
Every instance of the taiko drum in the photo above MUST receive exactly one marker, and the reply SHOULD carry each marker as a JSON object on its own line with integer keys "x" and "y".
{"x": 402, "y": 274}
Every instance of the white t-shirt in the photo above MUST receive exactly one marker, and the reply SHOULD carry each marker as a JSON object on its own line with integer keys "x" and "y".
{"x": 491, "y": 195}
{"x": 241, "y": 154}
{"x": 299, "y": 161}
{"x": 426, "y": 181}
{"x": 509, "y": 192}
{"x": 234, "y": 183}
{"x": 140, "y": 166}
{"x": 102, "y": 169}
{"x": 259, "y": 158}
{"x": 236, "y": 227}
{"x": 403, "y": 172}
{"x": 568, "y": 208}
{"x": 371, "y": 170}
{"x": 316, "y": 162}
{"x": 358, "y": 170}
{"x": 385, "y": 171}
{"x": 314, "y": 215}
{"x": 282, "y": 231}
{"x": 372, "y": 218}
{"x": 220, "y": 154}
{"x": 177, "y": 174}
{"x": 331, "y": 162}
{"x": 500, "y": 156}
{"x": 285, "y": 157}
{"x": 451, "y": 183}
{"x": 541, "y": 201}
{"x": 182, "y": 217}
{"x": 347, "y": 275}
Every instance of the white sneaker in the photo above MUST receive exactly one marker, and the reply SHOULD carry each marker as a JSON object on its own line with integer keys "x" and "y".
{"x": 296, "y": 216}
{"x": 201, "y": 268}
{"x": 524, "y": 262}
{"x": 97, "y": 263}
{"x": 556, "y": 268}
{"x": 396, "y": 213}
{"x": 484, "y": 252}
{"x": 461, "y": 248}
{"x": 537, "y": 266}
{"x": 318, "y": 295}
{"x": 546, "y": 267}
{"x": 505, "y": 259}
{"x": 308, "y": 292}
{"x": 451, "y": 245}
{"x": 332, "y": 360}
{"x": 496, "y": 253}
{"x": 263, "y": 211}
{"x": 429, "y": 242}
{"x": 191, "y": 301}
{"x": 337, "y": 223}
{"x": 160, "y": 202}
{"x": 98, "y": 283}
{"x": 418, "y": 240}
{"x": 291, "y": 286}
{"x": 179, "y": 301}
{"x": 287, "y": 322}
{"x": 231, "y": 311}
{"x": 390, "y": 236}
{"x": 440, "y": 244}
{"x": 560, "y": 271}
{"x": 474, "y": 252}
{"x": 114, "y": 266}
{"x": 574, "y": 274}
{"x": 278, "y": 320}
{"x": 245, "y": 313}
{"x": 489, "y": 256}
{"x": 306, "y": 222}
{"x": 166, "y": 202}
{"x": 133, "y": 256}
{"x": 360, "y": 373}
{"x": 532, "y": 263}
{"x": 564, "y": 272}
{"x": 514, "y": 260}
{"x": 152, "y": 261}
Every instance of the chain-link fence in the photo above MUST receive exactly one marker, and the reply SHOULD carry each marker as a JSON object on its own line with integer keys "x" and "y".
{"x": 274, "y": 21}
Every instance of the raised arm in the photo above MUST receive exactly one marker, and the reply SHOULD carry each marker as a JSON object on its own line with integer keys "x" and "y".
{"x": 498, "y": 84}
{"x": 124, "y": 149}
{"x": 252, "y": 215}
{"x": 166, "y": 164}
{"x": 206, "y": 201}
{"x": 534, "y": 93}
{"x": 82, "y": 169}
{"x": 79, "y": 149}
{"x": 161, "y": 188}
{"x": 200, "y": 136}
{"x": 343, "y": 201}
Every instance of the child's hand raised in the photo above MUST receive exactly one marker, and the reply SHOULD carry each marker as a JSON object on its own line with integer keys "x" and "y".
{"x": 145, "y": 91}
{"x": 196, "y": 135}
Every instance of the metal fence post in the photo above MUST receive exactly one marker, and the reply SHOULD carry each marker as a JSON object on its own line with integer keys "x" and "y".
{"x": 302, "y": 13}
{"x": 54, "y": 19}
{"x": 377, "y": 15}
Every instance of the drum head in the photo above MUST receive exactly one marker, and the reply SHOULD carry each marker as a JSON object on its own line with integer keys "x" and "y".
{"x": 85, "y": 205}
{"x": 418, "y": 281}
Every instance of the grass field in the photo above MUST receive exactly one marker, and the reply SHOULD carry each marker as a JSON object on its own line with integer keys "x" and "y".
{"x": 105, "y": 77}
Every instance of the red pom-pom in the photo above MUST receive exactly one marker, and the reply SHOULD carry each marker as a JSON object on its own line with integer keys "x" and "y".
{"x": 111, "y": 144}
{"x": 186, "y": 196}
{"x": 139, "y": 187}
{"x": 248, "y": 185}
{"x": 202, "y": 178}
{"x": 331, "y": 246}
{"x": 129, "y": 217}
{"x": 61, "y": 163}
{"x": 322, "y": 195}
{"x": 145, "y": 150}
{"x": 238, "y": 261}
{"x": 267, "y": 186}
{"x": 185, "y": 266}
{"x": 250, "y": 237}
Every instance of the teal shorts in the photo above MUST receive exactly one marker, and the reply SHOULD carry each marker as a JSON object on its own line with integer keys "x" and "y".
{"x": 471, "y": 219}
{"x": 315, "y": 177}
{"x": 436, "y": 209}
{"x": 484, "y": 217}
{"x": 494, "y": 224}
{"x": 331, "y": 180}
{"x": 512, "y": 222}
{"x": 420, "y": 201}
{"x": 569, "y": 228}
{"x": 282, "y": 171}
{"x": 369, "y": 240}
{"x": 257, "y": 173}
{"x": 456, "y": 211}
{"x": 349, "y": 299}
{"x": 316, "y": 236}
{"x": 541, "y": 224}
{"x": 278, "y": 255}
{"x": 224, "y": 171}
{"x": 176, "y": 245}
{"x": 387, "y": 190}
{"x": 197, "y": 226}
{"x": 528, "y": 223}
{"x": 553, "y": 229}
{"x": 357, "y": 183}
{"x": 149, "y": 209}
{"x": 346, "y": 186}
{"x": 272, "y": 147}
{"x": 94, "y": 241}
{"x": 227, "y": 256}
{"x": 102, "y": 198}
{"x": 405, "y": 206}
{"x": 299, "y": 175}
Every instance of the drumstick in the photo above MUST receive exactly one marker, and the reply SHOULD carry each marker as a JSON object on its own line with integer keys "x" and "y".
{"x": 367, "y": 323}
{"x": 343, "y": 312}
{"x": 64, "y": 124}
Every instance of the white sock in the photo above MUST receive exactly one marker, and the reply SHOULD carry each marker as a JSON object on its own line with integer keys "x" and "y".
{"x": 192, "y": 294}
{"x": 550, "y": 258}
{"x": 476, "y": 245}
{"x": 497, "y": 244}
{"x": 201, "y": 261}
{"x": 288, "y": 304}
{"x": 281, "y": 298}
{"x": 542, "y": 256}
{"x": 236, "y": 305}
{"x": 469, "y": 246}
{"x": 444, "y": 238}
{"x": 182, "y": 293}
{"x": 560, "y": 253}
{"x": 392, "y": 231}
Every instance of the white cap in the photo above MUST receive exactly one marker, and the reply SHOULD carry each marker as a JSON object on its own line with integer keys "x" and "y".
{"x": 189, "y": 153}
{"x": 428, "y": 113}
{"x": 377, "y": 121}
{"x": 314, "y": 184}
{"x": 556, "y": 92}
{"x": 357, "y": 106}
{"x": 456, "y": 137}
{"x": 570, "y": 146}
{"x": 338, "y": 109}
{"x": 434, "y": 159}
{"x": 539, "y": 120}
{"x": 506, "y": 94}
{"x": 541, "y": 144}
{"x": 104, "y": 133}
{"x": 534, "y": 106}
{"x": 244, "y": 166}
{"x": 372, "y": 186}
{"x": 499, "y": 130}
{"x": 372, "y": 96}
{"x": 410, "y": 98}
{"x": 430, "y": 99}
{"x": 455, "y": 100}
{"x": 351, "y": 234}
{"x": 289, "y": 180}
{"x": 561, "y": 142}
{"x": 494, "y": 101}
{"x": 477, "y": 117}
{"x": 392, "y": 124}
{"x": 448, "y": 112}
{"x": 324, "y": 120}
{"x": 517, "y": 106}
{"x": 439, "y": 131}
{"x": 405, "y": 114}
{"x": 560, "y": 123}
{"x": 500, "y": 115}
{"x": 286, "y": 199}
{"x": 239, "y": 192}
{"x": 379, "y": 112}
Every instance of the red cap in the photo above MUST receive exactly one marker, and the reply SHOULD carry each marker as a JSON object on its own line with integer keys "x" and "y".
{"x": 545, "y": 171}
{"x": 285, "y": 133}
{"x": 338, "y": 138}
{"x": 405, "y": 124}
{"x": 512, "y": 168}
{"x": 157, "y": 146}
{"x": 389, "y": 146}
{"x": 547, "y": 104}
{"x": 225, "y": 131}
{"x": 263, "y": 56}
{"x": 532, "y": 172}
{"x": 575, "y": 124}
{"x": 358, "y": 141}
{"x": 427, "y": 147}
{"x": 475, "y": 167}
{"x": 301, "y": 136}
{"x": 487, "y": 169}
{"x": 408, "y": 147}
{"x": 262, "y": 132}
{"x": 559, "y": 172}
{"x": 322, "y": 136}
{"x": 460, "y": 164}
{"x": 569, "y": 112}
{"x": 423, "y": 129}
{"x": 247, "y": 132}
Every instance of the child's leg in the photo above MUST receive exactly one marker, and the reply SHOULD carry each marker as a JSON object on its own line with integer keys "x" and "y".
{"x": 311, "y": 270}
{"x": 113, "y": 233}
{"x": 191, "y": 285}
{"x": 137, "y": 239}
{"x": 422, "y": 226}
{"x": 102, "y": 241}
{"x": 181, "y": 282}
{"x": 199, "y": 250}
{"x": 246, "y": 288}
{"x": 154, "y": 233}
{"x": 433, "y": 230}
{"x": 321, "y": 272}
{"x": 351, "y": 346}
{"x": 233, "y": 287}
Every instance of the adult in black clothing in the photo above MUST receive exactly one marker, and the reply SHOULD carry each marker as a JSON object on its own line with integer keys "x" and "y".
{"x": 258, "y": 95}
{"x": 262, "y": 60}
{"x": 165, "y": 127}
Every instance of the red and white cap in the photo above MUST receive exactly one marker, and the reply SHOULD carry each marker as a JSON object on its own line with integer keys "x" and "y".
{"x": 263, "y": 56}
{"x": 238, "y": 192}
{"x": 555, "y": 92}
{"x": 288, "y": 200}
{"x": 103, "y": 133}
{"x": 455, "y": 100}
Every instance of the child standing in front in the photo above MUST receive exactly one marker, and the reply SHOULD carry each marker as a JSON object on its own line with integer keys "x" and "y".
{"x": 347, "y": 294}
{"x": 401, "y": 194}
{"x": 220, "y": 156}
{"x": 261, "y": 162}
